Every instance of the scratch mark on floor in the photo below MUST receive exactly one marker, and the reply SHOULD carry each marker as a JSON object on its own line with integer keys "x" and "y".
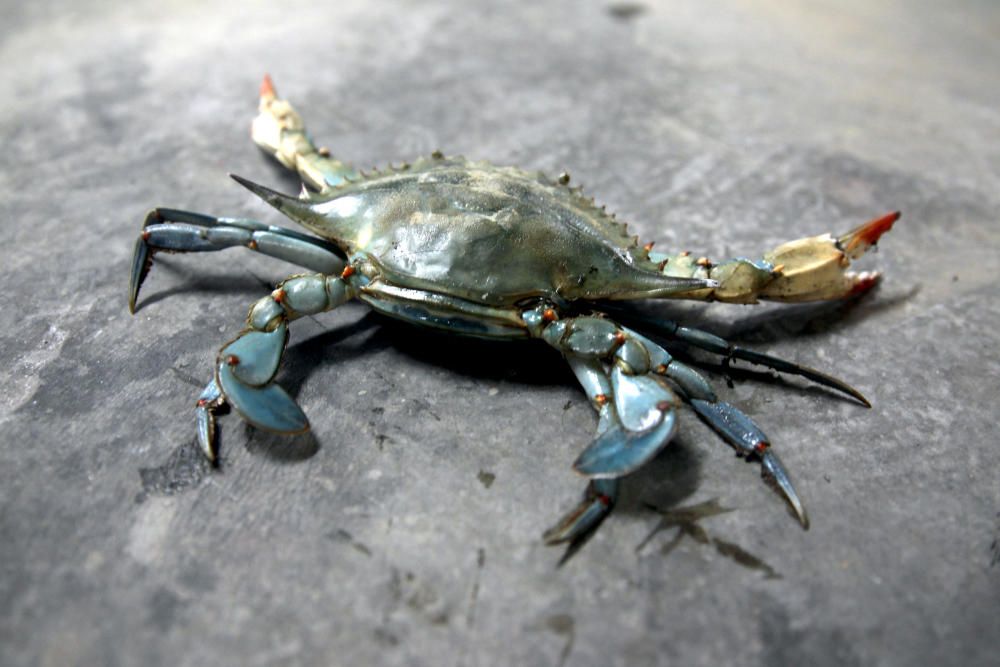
{"x": 470, "y": 618}
{"x": 995, "y": 547}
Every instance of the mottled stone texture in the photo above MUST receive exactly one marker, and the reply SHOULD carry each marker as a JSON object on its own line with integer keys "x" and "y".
{"x": 405, "y": 529}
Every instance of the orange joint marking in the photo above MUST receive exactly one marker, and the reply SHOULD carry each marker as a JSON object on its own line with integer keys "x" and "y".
{"x": 663, "y": 406}
{"x": 661, "y": 369}
{"x": 662, "y": 265}
{"x": 761, "y": 447}
{"x": 601, "y": 399}
{"x": 202, "y": 402}
{"x": 348, "y": 271}
{"x": 778, "y": 269}
{"x": 648, "y": 246}
{"x": 252, "y": 245}
{"x": 685, "y": 253}
{"x": 278, "y": 295}
{"x": 703, "y": 261}
{"x": 232, "y": 360}
{"x": 145, "y": 234}
{"x": 324, "y": 151}
{"x": 549, "y": 315}
{"x": 604, "y": 500}
{"x": 620, "y": 338}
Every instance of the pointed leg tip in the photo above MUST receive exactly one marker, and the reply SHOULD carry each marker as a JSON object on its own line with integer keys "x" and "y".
{"x": 797, "y": 509}
{"x": 854, "y": 393}
{"x": 555, "y": 536}
{"x": 586, "y": 517}
{"x": 774, "y": 472}
{"x": 142, "y": 262}
{"x": 552, "y": 537}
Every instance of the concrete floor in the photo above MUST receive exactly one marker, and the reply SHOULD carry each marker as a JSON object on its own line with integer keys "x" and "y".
{"x": 405, "y": 530}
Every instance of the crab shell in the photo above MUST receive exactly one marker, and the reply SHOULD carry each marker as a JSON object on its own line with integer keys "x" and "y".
{"x": 482, "y": 233}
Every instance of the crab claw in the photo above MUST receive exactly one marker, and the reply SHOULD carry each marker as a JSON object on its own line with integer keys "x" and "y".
{"x": 278, "y": 129}
{"x": 857, "y": 241}
{"x": 267, "y": 92}
{"x": 814, "y": 268}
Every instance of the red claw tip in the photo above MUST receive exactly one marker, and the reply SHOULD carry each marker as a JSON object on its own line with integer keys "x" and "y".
{"x": 864, "y": 282}
{"x": 267, "y": 87}
{"x": 869, "y": 233}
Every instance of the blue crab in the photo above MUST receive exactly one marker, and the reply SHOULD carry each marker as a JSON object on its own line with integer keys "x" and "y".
{"x": 501, "y": 253}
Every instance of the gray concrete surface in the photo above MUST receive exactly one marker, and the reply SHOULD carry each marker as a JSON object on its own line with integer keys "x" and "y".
{"x": 405, "y": 530}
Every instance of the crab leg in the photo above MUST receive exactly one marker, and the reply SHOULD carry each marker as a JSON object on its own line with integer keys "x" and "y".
{"x": 601, "y": 494}
{"x": 810, "y": 269}
{"x": 732, "y": 424}
{"x": 171, "y": 230}
{"x": 637, "y": 409}
{"x": 246, "y": 366}
{"x": 278, "y": 129}
{"x": 599, "y": 500}
{"x": 704, "y": 340}
{"x": 619, "y": 369}
{"x": 712, "y": 343}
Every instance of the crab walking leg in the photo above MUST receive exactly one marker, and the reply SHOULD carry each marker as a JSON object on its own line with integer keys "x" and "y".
{"x": 637, "y": 409}
{"x": 245, "y": 367}
{"x": 712, "y": 343}
{"x": 172, "y": 230}
{"x": 733, "y": 425}
{"x": 601, "y": 494}
{"x": 278, "y": 129}
{"x": 810, "y": 269}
